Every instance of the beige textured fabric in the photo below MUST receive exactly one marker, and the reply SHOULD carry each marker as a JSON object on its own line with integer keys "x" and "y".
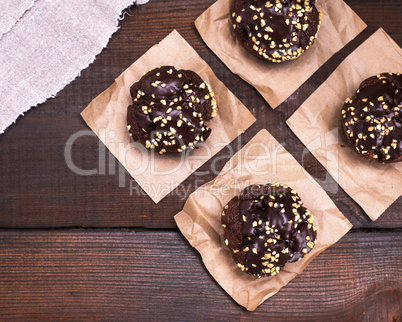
{"x": 10, "y": 13}
{"x": 49, "y": 46}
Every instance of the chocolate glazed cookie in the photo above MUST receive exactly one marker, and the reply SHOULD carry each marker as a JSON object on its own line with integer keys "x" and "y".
{"x": 276, "y": 30}
{"x": 267, "y": 227}
{"x": 372, "y": 118}
{"x": 169, "y": 110}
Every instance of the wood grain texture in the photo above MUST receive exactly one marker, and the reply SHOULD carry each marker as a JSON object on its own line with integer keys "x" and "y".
{"x": 153, "y": 274}
{"x": 37, "y": 188}
{"x": 84, "y": 274}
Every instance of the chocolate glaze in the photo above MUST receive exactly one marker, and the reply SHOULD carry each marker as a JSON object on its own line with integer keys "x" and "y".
{"x": 267, "y": 227}
{"x": 276, "y": 30}
{"x": 169, "y": 109}
{"x": 372, "y": 119}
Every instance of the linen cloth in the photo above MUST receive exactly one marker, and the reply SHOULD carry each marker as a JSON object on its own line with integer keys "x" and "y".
{"x": 48, "y": 46}
{"x": 10, "y": 13}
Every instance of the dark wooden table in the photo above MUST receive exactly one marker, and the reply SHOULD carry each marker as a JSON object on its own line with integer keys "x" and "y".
{"x": 75, "y": 247}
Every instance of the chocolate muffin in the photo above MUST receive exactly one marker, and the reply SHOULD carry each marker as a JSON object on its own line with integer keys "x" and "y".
{"x": 278, "y": 30}
{"x": 169, "y": 110}
{"x": 372, "y": 118}
{"x": 267, "y": 227}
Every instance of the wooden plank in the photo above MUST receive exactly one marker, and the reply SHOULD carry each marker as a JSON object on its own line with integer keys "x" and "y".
{"x": 39, "y": 190}
{"x": 82, "y": 274}
{"x": 43, "y": 192}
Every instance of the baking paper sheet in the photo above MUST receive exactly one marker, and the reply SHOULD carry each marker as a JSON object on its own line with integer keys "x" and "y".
{"x": 317, "y": 123}
{"x": 159, "y": 174}
{"x": 261, "y": 161}
{"x": 276, "y": 82}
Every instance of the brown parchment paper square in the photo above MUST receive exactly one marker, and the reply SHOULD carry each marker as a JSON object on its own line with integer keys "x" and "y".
{"x": 262, "y": 160}
{"x": 158, "y": 174}
{"x": 276, "y": 82}
{"x": 317, "y": 123}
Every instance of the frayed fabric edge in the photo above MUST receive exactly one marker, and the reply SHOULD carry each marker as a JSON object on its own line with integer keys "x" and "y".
{"x": 119, "y": 18}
